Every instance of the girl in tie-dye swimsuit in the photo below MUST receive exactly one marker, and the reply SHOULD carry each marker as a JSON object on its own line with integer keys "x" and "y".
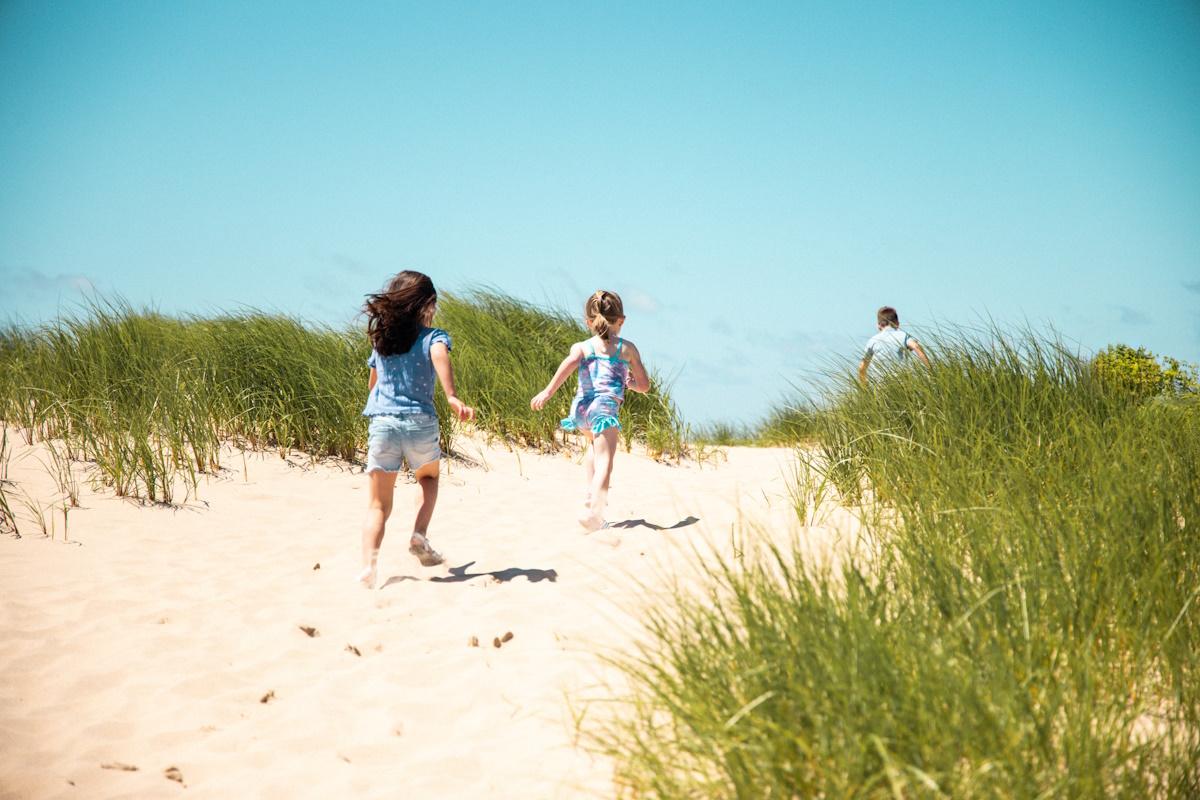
{"x": 601, "y": 391}
{"x": 607, "y": 365}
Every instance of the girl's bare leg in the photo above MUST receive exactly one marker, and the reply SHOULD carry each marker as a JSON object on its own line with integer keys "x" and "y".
{"x": 604, "y": 445}
{"x": 589, "y": 466}
{"x": 427, "y": 479}
{"x": 381, "y": 487}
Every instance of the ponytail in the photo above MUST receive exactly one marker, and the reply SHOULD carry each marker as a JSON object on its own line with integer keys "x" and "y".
{"x": 599, "y": 326}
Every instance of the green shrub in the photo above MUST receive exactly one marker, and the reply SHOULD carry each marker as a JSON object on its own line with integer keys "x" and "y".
{"x": 1139, "y": 372}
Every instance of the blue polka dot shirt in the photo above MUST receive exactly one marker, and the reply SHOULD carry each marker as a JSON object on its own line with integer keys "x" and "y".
{"x": 404, "y": 383}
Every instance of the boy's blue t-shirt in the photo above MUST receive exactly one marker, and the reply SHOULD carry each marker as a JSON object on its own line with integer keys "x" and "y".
{"x": 404, "y": 382}
{"x": 891, "y": 342}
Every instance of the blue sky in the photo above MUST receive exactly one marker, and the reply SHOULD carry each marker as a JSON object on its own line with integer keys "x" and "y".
{"x": 754, "y": 178}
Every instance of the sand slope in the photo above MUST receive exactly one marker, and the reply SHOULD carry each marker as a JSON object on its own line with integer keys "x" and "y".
{"x": 151, "y": 638}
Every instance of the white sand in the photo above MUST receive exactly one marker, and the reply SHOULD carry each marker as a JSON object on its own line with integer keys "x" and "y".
{"x": 150, "y": 638}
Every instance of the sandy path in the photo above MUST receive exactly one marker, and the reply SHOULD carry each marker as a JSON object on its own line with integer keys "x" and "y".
{"x": 151, "y": 638}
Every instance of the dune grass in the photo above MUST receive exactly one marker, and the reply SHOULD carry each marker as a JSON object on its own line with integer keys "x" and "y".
{"x": 1021, "y": 619}
{"x": 149, "y": 399}
{"x": 788, "y": 424}
{"x": 725, "y": 434}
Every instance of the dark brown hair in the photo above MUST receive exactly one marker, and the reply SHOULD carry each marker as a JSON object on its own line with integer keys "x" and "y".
{"x": 888, "y": 316}
{"x": 396, "y": 315}
{"x": 601, "y": 311}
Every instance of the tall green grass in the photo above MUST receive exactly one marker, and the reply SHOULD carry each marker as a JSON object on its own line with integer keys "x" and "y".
{"x": 1021, "y": 619}
{"x": 149, "y": 399}
{"x": 788, "y": 424}
{"x": 8, "y": 520}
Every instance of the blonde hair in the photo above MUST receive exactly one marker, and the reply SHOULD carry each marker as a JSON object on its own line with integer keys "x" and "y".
{"x": 602, "y": 310}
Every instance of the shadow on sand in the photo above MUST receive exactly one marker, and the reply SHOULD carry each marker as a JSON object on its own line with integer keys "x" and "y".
{"x": 641, "y": 523}
{"x": 460, "y": 574}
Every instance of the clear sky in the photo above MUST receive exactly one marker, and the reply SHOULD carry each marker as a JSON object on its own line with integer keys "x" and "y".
{"x": 754, "y": 178}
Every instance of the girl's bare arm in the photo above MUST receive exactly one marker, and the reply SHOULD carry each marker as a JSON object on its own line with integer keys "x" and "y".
{"x": 564, "y": 369}
{"x": 639, "y": 379}
{"x": 439, "y": 354}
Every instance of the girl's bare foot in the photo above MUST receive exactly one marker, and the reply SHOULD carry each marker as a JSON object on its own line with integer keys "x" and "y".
{"x": 590, "y": 520}
{"x": 366, "y": 578}
{"x": 592, "y": 515}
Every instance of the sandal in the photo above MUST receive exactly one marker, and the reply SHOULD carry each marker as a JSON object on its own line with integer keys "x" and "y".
{"x": 419, "y": 546}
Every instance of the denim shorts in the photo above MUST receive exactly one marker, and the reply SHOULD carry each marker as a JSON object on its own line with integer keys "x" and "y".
{"x": 412, "y": 438}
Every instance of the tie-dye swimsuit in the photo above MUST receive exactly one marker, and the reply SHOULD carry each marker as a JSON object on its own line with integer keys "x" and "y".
{"x": 601, "y": 392}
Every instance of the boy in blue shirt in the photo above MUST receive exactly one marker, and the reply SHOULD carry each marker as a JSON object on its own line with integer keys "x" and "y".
{"x": 890, "y": 343}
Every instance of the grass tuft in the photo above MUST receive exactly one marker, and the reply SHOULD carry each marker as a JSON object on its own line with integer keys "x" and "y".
{"x": 1022, "y": 619}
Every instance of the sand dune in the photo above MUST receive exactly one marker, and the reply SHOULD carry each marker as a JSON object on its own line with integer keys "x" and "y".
{"x": 174, "y": 637}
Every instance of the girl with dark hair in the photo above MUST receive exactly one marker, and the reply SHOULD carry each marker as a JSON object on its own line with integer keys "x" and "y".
{"x": 406, "y": 355}
{"x": 607, "y": 364}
